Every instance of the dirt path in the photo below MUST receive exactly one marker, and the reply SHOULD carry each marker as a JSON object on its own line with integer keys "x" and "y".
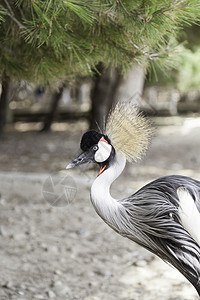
{"x": 68, "y": 253}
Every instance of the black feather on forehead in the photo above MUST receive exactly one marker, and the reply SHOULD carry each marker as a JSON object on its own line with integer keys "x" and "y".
{"x": 91, "y": 138}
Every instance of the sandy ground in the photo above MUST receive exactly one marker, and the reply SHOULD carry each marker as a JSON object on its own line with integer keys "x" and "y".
{"x": 62, "y": 250}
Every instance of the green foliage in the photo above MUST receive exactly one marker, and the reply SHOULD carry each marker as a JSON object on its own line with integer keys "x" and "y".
{"x": 53, "y": 40}
{"x": 185, "y": 73}
{"x": 188, "y": 75}
{"x": 2, "y": 14}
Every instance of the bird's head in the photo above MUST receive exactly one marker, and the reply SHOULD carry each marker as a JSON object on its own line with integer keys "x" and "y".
{"x": 127, "y": 129}
{"x": 96, "y": 148}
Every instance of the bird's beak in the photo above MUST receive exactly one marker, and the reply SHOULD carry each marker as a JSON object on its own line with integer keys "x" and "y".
{"x": 85, "y": 157}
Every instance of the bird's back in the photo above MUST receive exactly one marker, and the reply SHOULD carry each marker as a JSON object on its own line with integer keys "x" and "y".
{"x": 168, "y": 186}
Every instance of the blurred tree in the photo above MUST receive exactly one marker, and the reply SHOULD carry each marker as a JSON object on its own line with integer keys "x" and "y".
{"x": 3, "y": 100}
{"x": 105, "y": 84}
{"x": 56, "y": 96}
{"x": 186, "y": 74}
{"x": 55, "y": 40}
{"x": 110, "y": 87}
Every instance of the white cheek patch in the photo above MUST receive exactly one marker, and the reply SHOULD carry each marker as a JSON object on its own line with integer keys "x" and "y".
{"x": 103, "y": 153}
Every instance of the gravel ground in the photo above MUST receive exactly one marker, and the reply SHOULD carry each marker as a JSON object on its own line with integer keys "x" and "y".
{"x": 67, "y": 252}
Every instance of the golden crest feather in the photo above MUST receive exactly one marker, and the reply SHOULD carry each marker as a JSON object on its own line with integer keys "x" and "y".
{"x": 129, "y": 131}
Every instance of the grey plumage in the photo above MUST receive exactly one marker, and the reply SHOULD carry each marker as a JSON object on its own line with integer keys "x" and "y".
{"x": 150, "y": 217}
{"x": 154, "y": 224}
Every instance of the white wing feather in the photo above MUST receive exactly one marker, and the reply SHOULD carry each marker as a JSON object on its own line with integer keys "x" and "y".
{"x": 189, "y": 214}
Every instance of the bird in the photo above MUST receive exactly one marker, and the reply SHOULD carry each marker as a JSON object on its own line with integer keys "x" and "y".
{"x": 164, "y": 215}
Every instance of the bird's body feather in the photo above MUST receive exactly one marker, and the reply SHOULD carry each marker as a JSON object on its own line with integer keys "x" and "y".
{"x": 154, "y": 211}
{"x": 151, "y": 218}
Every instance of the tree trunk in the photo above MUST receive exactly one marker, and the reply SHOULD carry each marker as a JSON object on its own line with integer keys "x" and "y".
{"x": 102, "y": 95}
{"x": 131, "y": 86}
{"x": 3, "y": 101}
{"x": 111, "y": 87}
{"x": 53, "y": 109}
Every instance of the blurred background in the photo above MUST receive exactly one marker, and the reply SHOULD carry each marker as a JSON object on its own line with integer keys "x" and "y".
{"x": 63, "y": 65}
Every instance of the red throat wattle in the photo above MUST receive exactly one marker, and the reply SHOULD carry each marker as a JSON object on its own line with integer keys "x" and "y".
{"x": 102, "y": 169}
{"x": 103, "y": 140}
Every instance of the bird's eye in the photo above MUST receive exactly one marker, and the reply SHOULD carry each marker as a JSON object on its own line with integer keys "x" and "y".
{"x": 95, "y": 148}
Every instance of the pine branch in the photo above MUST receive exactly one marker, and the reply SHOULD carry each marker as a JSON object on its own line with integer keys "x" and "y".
{"x": 149, "y": 56}
{"x": 21, "y": 12}
{"x": 9, "y": 8}
{"x": 55, "y": 39}
{"x": 11, "y": 15}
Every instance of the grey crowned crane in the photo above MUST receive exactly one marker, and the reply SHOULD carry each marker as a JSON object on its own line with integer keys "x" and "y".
{"x": 164, "y": 215}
